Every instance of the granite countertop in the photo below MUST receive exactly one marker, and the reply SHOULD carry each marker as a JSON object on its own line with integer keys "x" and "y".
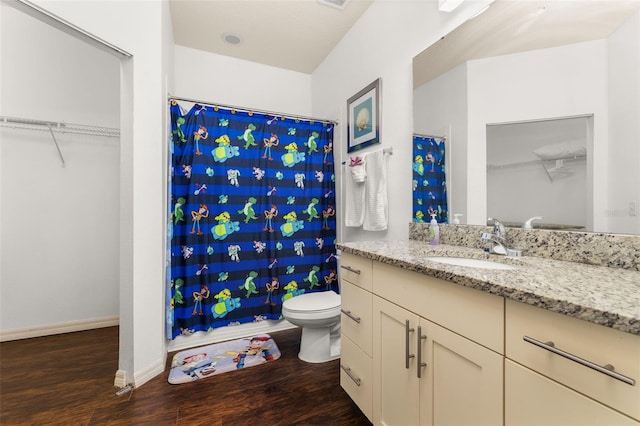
{"x": 598, "y": 294}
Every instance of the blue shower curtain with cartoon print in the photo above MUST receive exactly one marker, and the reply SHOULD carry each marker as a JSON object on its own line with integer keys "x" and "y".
{"x": 252, "y": 215}
{"x": 429, "y": 179}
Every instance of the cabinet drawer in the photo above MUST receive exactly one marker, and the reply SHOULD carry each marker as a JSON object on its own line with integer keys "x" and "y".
{"x": 356, "y": 270}
{"x": 588, "y": 342}
{"x": 471, "y": 313}
{"x": 356, "y": 320}
{"x": 532, "y": 399}
{"x": 356, "y": 375}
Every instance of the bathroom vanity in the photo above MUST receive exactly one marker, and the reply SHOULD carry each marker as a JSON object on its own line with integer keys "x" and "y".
{"x": 430, "y": 343}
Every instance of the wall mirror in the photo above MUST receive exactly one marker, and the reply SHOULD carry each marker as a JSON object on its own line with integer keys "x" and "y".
{"x": 527, "y": 76}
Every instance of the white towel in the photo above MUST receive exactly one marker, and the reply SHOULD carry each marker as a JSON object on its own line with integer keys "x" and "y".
{"x": 357, "y": 168}
{"x": 355, "y": 186}
{"x": 376, "y": 203}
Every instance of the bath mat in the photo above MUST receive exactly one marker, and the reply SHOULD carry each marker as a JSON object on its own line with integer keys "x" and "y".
{"x": 206, "y": 361}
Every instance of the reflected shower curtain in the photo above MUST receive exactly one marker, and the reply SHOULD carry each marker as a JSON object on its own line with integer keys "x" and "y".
{"x": 252, "y": 215}
{"x": 429, "y": 179}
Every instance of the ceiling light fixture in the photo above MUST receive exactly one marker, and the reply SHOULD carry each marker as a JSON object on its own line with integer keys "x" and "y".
{"x": 448, "y": 5}
{"x": 231, "y": 38}
{"x": 338, "y": 4}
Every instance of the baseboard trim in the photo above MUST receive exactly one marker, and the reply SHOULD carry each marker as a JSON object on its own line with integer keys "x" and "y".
{"x": 59, "y": 328}
{"x": 142, "y": 377}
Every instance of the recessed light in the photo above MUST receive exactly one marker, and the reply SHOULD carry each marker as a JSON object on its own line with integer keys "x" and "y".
{"x": 231, "y": 38}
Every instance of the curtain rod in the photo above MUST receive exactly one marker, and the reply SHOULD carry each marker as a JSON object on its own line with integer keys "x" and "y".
{"x": 429, "y": 136}
{"x": 243, "y": 109}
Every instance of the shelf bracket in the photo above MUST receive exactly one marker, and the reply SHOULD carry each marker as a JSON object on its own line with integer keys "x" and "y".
{"x": 57, "y": 146}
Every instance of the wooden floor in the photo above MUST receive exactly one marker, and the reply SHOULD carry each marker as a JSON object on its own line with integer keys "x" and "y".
{"x": 68, "y": 380}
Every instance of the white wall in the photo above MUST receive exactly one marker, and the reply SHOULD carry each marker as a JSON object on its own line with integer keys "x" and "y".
{"x": 382, "y": 44}
{"x": 229, "y": 81}
{"x": 59, "y": 228}
{"x": 624, "y": 127}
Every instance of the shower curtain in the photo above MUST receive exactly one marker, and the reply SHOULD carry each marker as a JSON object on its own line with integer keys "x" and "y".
{"x": 429, "y": 179}
{"x": 251, "y": 217}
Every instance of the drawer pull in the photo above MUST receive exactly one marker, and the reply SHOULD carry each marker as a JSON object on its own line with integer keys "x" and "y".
{"x": 348, "y": 313}
{"x": 347, "y": 370}
{"x": 607, "y": 369}
{"x": 421, "y": 364}
{"x": 350, "y": 269}
{"x": 407, "y": 331}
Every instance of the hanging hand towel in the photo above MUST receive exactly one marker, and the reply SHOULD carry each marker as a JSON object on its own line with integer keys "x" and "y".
{"x": 354, "y": 204}
{"x": 356, "y": 166}
{"x": 376, "y": 205}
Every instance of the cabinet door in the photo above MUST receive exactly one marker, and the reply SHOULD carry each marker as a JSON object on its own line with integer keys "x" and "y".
{"x": 532, "y": 399}
{"x": 462, "y": 383}
{"x": 395, "y": 387}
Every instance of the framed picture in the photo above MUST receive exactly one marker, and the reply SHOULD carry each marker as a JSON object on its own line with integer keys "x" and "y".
{"x": 363, "y": 117}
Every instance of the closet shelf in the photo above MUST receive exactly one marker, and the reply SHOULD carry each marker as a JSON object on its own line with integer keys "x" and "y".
{"x": 59, "y": 127}
{"x": 537, "y": 161}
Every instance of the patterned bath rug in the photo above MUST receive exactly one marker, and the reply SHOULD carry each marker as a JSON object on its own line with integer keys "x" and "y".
{"x": 207, "y": 361}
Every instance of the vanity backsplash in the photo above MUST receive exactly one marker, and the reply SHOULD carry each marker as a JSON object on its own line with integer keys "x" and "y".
{"x": 611, "y": 250}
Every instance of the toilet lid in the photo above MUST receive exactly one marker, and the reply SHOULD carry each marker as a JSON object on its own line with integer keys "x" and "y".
{"x": 316, "y": 302}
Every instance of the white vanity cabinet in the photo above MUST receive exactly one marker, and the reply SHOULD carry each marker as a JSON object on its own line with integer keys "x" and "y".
{"x": 427, "y": 371}
{"x": 431, "y": 352}
{"x": 356, "y": 365}
{"x": 551, "y": 372}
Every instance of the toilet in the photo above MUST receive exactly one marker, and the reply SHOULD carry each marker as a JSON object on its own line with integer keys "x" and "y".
{"x": 318, "y": 314}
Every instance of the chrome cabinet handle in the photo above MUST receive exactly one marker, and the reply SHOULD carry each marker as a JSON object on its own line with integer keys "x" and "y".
{"x": 407, "y": 331}
{"x": 350, "y": 269}
{"x": 348, "y": 313}
{"x": 421, "y": 364}
{"x": 606, "y": 369}
{"x": 347, "y": 370}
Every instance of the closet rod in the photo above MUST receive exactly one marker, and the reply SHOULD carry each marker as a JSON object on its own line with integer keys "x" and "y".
{"x": 53, "y": 126}
{"x": 243, "y": 109}
{"x": 418, "y": 135}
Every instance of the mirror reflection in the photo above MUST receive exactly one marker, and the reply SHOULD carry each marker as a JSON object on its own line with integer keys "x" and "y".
{"x": 539, "y": 166}
{"x": 525, "y": 68}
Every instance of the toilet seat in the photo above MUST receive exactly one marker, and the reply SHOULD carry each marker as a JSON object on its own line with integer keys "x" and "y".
{"x": 313, "y": 302}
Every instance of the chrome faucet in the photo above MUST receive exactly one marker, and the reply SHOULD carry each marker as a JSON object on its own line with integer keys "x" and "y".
{"x": 498, "y": 240}
{"x": 499, "y": 231}
{"x": 529, "y": 223}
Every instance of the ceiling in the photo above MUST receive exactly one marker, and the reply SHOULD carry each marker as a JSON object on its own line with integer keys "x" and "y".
{"x": 292, "y": 34}
{"x": 509, "y": 26}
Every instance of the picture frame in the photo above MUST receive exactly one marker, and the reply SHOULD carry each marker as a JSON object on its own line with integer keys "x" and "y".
{"x": 363, "y": 117}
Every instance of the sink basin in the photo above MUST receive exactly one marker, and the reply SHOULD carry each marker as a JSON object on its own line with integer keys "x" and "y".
{"x": 472, "y": 263}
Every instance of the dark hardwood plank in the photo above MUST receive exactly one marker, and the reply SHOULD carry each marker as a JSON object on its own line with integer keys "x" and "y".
{"x": 68, "y": 380}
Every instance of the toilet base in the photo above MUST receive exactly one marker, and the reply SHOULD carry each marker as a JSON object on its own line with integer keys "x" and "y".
{"x": 320, "y": 344}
